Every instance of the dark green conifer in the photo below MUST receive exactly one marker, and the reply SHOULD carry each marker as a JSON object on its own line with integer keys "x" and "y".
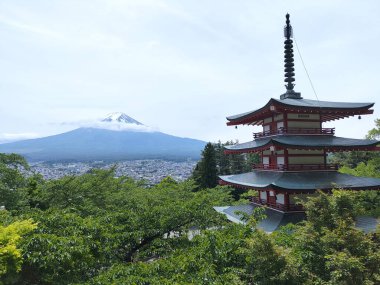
{"x": 205, "y": 172}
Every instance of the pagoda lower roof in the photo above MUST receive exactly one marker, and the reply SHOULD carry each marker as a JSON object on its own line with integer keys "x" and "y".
{"x": 274, "y": 219}
{"x": 300, "y": 182}
{"x": 329, "y": 143}
{"x": 328, "y": 110}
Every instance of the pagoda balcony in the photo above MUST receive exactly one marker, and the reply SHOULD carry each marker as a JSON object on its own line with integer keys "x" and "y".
{"x": 278, "y": 206}
{"x": 296, "y": 167}
{"x": 295, "y": 131}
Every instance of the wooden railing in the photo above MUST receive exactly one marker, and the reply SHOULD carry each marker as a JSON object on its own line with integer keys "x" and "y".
{"x": 281, "y": 207}
{"x": 295, "y": 167}
{"x": 295, "y": 131}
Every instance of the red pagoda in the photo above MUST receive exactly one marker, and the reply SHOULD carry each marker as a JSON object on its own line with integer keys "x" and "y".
{"x": 293, "y": 145}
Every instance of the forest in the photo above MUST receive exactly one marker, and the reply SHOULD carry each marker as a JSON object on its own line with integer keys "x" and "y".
{"x": 98, "y": 229}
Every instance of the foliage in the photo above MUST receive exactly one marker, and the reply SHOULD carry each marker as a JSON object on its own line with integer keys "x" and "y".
{"x": 90, "y": 222}
{"x": 369, "y": 169}
{"x": 354, "y": 159}
{"x": 215, "y": 162}
{"x": 233, "y": 163}
{"x": 12, "y": 182}
{"x": 98, "y": 229}
{"x": 374, "y": 133}
{"x": 10, "y": 253}
{"x": 328, "y": 238}
{"x": 205, "y": 173}
{"x": 235, "y": 254}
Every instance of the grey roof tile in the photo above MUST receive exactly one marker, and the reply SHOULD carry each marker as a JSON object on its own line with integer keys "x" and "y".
{"x": 274, "y": 219}
{"x": 305, "y": 103}
{"x": 304, "y": 141}
{"x": 294, "y": 182}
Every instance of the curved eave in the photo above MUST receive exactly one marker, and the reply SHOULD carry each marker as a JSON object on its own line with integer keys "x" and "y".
{"x": 330, "y": 144}
{"x": 327, "y": 113}
{"x": 299, "y": 182}
{"x": 293, "y": 191}
{"x": 328, "y": 149}
{"x": 250, "y": 117}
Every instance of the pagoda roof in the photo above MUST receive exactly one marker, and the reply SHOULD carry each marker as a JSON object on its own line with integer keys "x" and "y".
{"x": 274, "y": 219}
{"x": 329, "y": 143}
{"x": 329, "y": 110}
{"x": 300, "y": 182}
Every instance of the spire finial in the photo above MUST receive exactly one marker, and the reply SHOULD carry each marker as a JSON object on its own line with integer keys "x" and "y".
{"x": 289, "y": 62}
{"x": 288, "y": 32}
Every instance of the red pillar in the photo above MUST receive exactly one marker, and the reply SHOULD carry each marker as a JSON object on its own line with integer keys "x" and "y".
{"x": 285, "y": 120}
{"x": 286, "y": 201}
{"x": 286, "y": 160}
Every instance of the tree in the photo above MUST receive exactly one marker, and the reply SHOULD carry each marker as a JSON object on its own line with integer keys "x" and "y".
{"x": 227, "y": 163}
{"x": 89, "y": 222}
{"x": 98, "y": 229}
{"x": 250, "y": 160}
{"x": 205, "y": 173}
{"x": 352, "y": 159}
{"x": 10, "y": 252}
{"x": 374, "y": 133}
{"x": 328, "y": 249}
{"x": 223, "y": 162}
{"x": 12, "y": 181}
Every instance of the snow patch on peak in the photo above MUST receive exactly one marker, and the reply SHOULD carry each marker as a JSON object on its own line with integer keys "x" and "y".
{"x": 114, "y": 122}
{"x": 119, "y": 121}
{"x": 120, "y": 117}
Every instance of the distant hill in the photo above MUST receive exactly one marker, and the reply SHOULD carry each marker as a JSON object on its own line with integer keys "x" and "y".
{"x": 125, "y": 139}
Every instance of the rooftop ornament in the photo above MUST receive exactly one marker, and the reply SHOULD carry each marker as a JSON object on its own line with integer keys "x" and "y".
{"x": 289, "y": 63}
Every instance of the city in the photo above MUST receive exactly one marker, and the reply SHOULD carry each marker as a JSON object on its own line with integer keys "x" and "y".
{"x": 153, "y": 171}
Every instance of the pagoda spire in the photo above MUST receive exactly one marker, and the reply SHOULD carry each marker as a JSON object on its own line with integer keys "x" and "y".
{"x": 289, "y": 63}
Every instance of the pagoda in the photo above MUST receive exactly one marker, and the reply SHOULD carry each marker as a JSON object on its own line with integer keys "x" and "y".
{"x": 293, "y": 146}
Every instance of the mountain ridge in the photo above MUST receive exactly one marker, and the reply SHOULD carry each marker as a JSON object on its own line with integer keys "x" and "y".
{"x": 88, "y": 144}
{"x": 95, "y": 143}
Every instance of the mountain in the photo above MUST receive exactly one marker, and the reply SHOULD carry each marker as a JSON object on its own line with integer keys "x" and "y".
{"x": 103, "y": 142}
{"x": 121, "y": 118}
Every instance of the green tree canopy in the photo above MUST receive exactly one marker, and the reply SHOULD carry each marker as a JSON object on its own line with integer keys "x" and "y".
{"x": 205, "y": 173}
{"x": 10, "y": 253}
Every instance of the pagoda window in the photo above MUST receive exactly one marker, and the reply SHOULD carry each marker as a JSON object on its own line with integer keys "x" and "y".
{"x": 263, "y": 195}
{"x": 306, "y": 160}
{"x": 280, "y": 160}
{"x": 307, "y": 117}
{"x": 305, "y": 152}
{"x": 280, "y": 199}
{"x": 268, "y": 120}
{"x": 304, "y": 124}
{"x": 279, "y": 117}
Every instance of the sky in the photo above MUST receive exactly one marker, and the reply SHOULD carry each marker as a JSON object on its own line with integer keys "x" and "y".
{"x": 179, "y": 66}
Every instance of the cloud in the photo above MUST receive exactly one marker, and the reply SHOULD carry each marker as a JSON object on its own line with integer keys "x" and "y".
{"x": 30, "y": 28}
{"x": 113, "y": 126}
{"x": 11, "y": 137}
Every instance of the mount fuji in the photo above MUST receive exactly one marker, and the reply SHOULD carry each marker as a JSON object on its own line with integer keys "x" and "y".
{"x": 114, "y": 138}
{"x": 121, "y": 118}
